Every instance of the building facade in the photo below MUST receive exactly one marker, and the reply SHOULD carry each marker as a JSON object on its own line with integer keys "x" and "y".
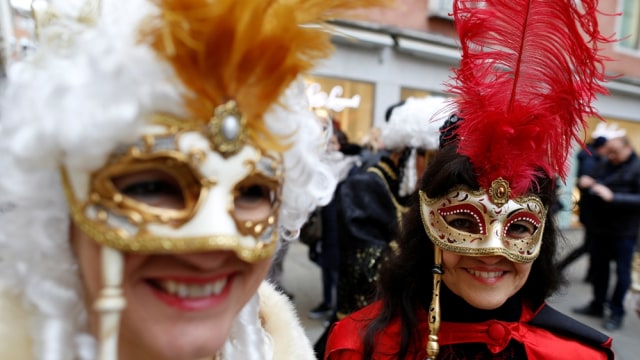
{"x": 410, "y": 49}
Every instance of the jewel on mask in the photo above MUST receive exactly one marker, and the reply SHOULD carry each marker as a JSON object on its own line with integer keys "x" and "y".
{"x": 231, "y": 127}
{"x": 227, "y": 129}
{"x": 499, "y": 192}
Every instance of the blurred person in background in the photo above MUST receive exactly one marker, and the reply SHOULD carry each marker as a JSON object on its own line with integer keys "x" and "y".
{"x": 587, "y": 160}
{"x": 371, "y": 202}
{"x": 634, "y": 298}
{"x": 372, "y": 147}
{"x": 614, "y": 190}
{"x": 326, "y": 252}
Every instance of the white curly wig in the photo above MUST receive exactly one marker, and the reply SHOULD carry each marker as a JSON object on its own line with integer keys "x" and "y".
{"x": 87, "y": 89}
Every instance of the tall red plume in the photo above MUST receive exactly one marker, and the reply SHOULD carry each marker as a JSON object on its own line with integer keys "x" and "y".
{"x": 529, "y": 72}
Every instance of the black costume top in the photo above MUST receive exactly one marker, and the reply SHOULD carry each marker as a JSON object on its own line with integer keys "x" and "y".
{"x": 369, "y": 209}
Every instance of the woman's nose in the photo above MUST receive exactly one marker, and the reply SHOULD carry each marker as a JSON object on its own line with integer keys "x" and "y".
{"x": 490, "y": 260}
{"x": 207, "y": 260}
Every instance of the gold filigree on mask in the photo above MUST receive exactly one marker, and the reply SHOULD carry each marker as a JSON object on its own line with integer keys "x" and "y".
{"x": 162, "y": 194}
{"x": 468, "y": 222}
{"x": 259, "y": 191}
{"x": 172, "y": 166}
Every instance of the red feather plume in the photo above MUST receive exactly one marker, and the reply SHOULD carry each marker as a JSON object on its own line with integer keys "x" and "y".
{"x": 529, "y": 72}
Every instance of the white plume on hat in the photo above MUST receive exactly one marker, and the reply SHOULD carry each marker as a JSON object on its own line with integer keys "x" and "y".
{"x": 416, "y": 124}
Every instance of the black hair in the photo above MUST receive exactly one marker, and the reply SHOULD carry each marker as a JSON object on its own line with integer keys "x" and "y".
{"x": 341, "y": 136}
{"x": 351, "y": 149}
{"x": 599, "y": 142}
{"x": 404, "y": 282}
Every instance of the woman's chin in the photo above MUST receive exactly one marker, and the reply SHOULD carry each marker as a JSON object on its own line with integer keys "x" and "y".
{"x": 486, "y": 303}
{"x": 177, "y": 343}
{"x": 171, "y": 336}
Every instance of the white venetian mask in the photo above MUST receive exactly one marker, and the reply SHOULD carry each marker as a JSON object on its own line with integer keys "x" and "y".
{"x": 183, "y": 187}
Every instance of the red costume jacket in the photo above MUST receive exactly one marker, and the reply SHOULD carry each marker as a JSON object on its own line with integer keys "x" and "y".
{"x": 544, "y": 334}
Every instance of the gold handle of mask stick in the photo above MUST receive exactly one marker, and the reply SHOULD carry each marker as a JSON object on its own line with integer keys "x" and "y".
{"x": 434, "y": 310}
{"x": 110, "y": 303}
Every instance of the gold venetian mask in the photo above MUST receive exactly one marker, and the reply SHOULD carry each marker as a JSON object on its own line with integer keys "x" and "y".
{"x": 469, "y": 223}
{"x": 183, "y": 187}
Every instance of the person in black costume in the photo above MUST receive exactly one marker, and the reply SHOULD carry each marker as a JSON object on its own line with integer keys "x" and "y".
{"x": 342, "y": 157}
{"x": 371, "y": 202}
{"x": 587, "y": 160}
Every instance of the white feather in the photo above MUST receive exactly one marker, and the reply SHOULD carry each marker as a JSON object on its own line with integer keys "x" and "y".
{"x": 416, "y": 124}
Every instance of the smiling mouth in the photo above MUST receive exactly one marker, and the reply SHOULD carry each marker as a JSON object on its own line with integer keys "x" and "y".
{"x": 486, "y": 274}
{"x": 186, "y": 290}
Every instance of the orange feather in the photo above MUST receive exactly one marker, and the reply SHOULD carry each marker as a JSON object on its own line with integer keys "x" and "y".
{"x": 244, "y": 50}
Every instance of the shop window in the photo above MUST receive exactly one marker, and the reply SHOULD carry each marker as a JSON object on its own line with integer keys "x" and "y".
{"x": 356, "y": 122}
{"x": 406, "y": 93}
{"x": 632, "y": 128}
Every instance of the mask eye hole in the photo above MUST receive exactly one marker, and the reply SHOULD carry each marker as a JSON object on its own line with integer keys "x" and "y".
{"x": 522, "y": 225}
{"x": 154, "y": 188}
{"x": 464, "y": 217}
{"x": 254, "y": 198}
{"x": 463, "y": 222}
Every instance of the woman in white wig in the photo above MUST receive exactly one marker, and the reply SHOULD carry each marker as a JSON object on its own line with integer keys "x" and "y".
{"x": 150, "y": 157}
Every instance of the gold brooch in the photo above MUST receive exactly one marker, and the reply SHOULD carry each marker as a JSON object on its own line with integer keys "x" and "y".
{"x": 499, "y": 192}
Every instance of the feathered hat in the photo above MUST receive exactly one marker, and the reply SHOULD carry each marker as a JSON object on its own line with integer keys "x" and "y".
{"x": 530, "y": 70}
{"x": 413, "y": 124}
